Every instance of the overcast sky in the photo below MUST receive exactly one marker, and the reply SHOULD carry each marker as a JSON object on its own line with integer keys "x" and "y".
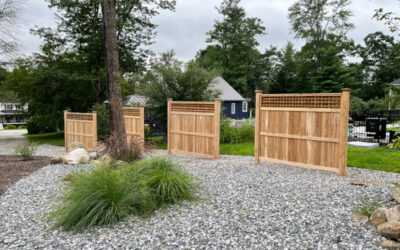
{"x": 185, "y": 29}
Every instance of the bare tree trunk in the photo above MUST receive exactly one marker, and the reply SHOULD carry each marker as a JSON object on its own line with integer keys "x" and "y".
{"x": 117, "y": 123}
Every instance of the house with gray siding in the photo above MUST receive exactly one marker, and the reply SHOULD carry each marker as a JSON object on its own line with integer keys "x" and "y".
{"x": 12, "y": 113}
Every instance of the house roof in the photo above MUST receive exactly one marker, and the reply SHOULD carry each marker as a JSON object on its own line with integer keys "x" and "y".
{"x": 396, "y": 82}
{"x": 131, "y": 99}
{"x": 227, "y": 92}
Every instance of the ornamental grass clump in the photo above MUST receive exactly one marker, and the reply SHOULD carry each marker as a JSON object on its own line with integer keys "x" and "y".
{"x": 108, "y": 194}
{"x": 167, "y": 182}
{"x": 101, "y": 197}
{"x": 26, "y": 150}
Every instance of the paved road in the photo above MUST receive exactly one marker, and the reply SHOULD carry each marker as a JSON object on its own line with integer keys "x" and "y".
{"x": 10, "y": 139}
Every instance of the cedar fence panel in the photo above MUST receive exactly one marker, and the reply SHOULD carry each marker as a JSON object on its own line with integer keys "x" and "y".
{"x": 307, "y": 130}
{"x": 193, "y": 128}
{"x": 80, "y": 127}
{"x": 134, "y": 123}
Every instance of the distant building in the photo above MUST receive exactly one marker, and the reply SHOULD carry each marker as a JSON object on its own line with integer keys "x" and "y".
{"x": 135, "y": 99}
{"x": 233, "y": 104}
{"x": 12, "y": 113}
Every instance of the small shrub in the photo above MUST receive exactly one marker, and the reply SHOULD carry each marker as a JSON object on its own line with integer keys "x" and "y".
{"x": 167, "y": 182}
{"x": 236, "y": 132}
{"x": 101, "y": 197}
{"x": 41, "y": 125}
{"x": 396, "y": 142}
{"x": 10, "y": 127}
{"x": 22, "y": 126}
{"x": 148, "y": 132}
{"x": 116, "y": 148}
{"x": 366, "y": 208}
{"x": 26, "y": 150}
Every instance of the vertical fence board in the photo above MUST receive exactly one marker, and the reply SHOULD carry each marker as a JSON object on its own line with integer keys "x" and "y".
{"x": 193, "y": 128}
{"x": 308, "y": 130}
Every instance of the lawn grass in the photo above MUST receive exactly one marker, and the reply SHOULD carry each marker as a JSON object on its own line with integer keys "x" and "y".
{"x": 56, "y": 139}
{"x": 382, "y": 159}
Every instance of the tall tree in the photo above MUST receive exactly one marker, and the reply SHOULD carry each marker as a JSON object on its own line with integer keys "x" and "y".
{"x": 80, "y": 30}
{"x": 233, "y": 46}
{"x": 117, "y": 123}
{"x": 313, "y": 20}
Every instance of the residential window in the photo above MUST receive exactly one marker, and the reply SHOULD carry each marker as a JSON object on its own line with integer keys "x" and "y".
{"x": 18, "y": 107}
{"x": 8, "y": 107}
{"x": 244, "y": 107}
{"x": 233, "y": 108}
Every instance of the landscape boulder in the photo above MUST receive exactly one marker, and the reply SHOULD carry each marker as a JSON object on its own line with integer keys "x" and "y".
{"x": 390, "y": 230}
{"x": 93, "y": 155}
{"x": 77, "y": 156}
{"x": 75, "y": 145}
{"x": 396, "y": 194}
{"x": 378, "y": 216}
{"x": 390, "y": 244}
{"x": 393, "y": 213}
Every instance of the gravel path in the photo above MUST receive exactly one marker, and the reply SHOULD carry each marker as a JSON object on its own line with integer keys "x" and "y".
{"x": 269, "y": 206}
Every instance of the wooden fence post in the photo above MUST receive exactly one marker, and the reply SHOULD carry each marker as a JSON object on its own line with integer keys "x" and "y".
{"x": 141, "y": 112}
{"x": 257, "y": 128}
{"x": 65, "y": 129}
{"x": 94, "y": 129}
{"x": 343, "y": 130}
{"x": 169, "y": 122}
{"x": 217, "y": 110}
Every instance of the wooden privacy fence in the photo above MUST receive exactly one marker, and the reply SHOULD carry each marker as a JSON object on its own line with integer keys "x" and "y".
{"x": 308, "y": 130}
{"x": 80, "y": 127}
{"x": 134, "y": 123}
{"x": 193, "y": 128}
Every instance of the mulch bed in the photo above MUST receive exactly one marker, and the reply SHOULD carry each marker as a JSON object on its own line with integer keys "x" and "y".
{"x": 12, "y": 169}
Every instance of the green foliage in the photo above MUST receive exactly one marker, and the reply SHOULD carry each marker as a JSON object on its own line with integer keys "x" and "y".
{"x": 167, "y": 181}
{"x": 148, "y": 132}
{"x": 396, "y": 142}
{"x": 103, "y": 196}
{"x": 26, "y": 150}
{"x": 166, "y": 78}
{"x": 107, "y": 194}
{"x": 236, "y": 132}
{"x": 41, "y": 124}
{"x": 22, "y": 126}
{"x": 10, "y": 126}
{"x": 367, "y": 207}
{"x": 103, "y": 121}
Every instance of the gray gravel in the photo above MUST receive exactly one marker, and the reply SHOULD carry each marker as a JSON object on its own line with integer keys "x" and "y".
{"x": 269, "y": 206}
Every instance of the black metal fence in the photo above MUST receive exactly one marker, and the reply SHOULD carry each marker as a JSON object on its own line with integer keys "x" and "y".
{"x": 380, "y": 129}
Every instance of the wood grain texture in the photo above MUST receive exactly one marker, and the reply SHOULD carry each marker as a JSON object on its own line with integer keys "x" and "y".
{"x": 193, "y": 128}
{"x": 308, "y": 130}
{"x": 134, "y": 123}
{"x": 80, "y": 127}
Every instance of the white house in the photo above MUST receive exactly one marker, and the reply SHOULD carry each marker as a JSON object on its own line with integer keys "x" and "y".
{"x": 12, "y": 113}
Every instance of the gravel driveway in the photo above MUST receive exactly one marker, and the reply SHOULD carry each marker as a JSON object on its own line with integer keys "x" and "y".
{"x": 269, "y": 206}
{"x": 10, "y": 139}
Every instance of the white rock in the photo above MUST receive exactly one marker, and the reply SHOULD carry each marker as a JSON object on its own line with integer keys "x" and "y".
{"x": 75, "y": 145}
{"x": 77, "y": 156}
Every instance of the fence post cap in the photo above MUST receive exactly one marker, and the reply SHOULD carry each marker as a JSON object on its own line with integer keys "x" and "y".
{"x": 346, "y": 89}
{"x": 259, "y": 91}
{"x": 217, "y": 99}
{"x": 169, "y": 99}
